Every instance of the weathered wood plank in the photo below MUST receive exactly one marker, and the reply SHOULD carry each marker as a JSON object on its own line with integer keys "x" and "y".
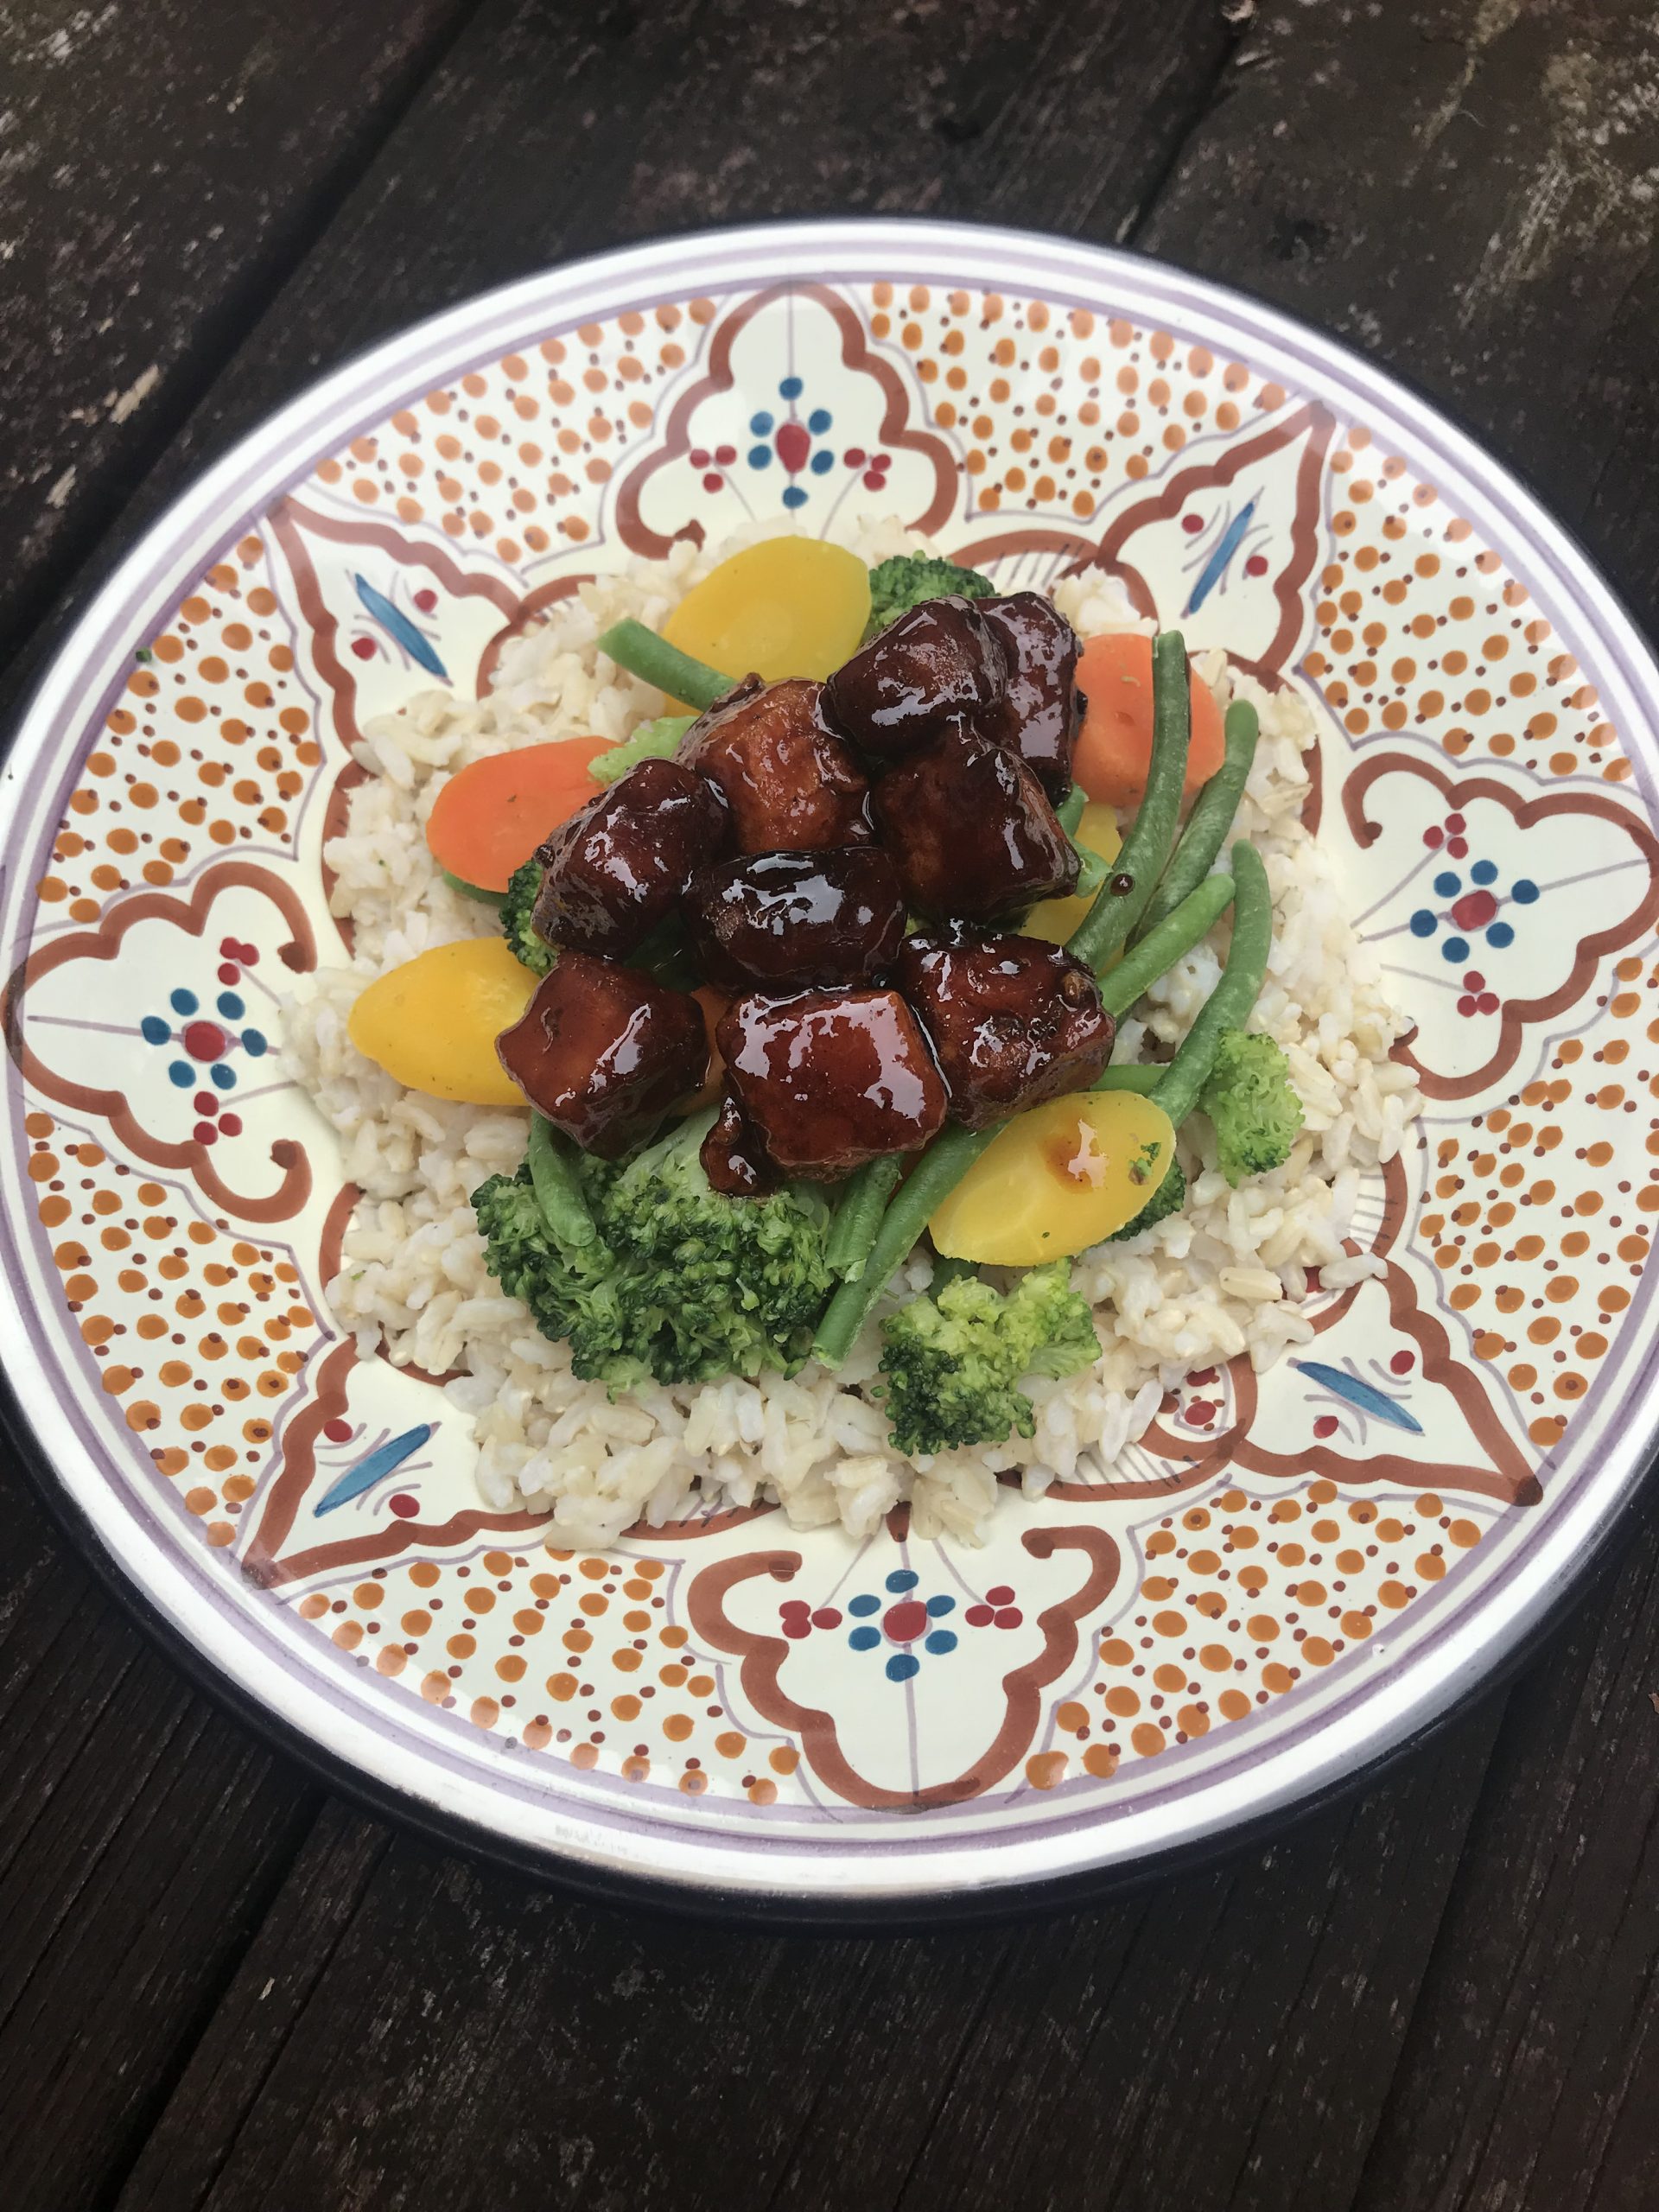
{"x": 1487, "y": 219}
{"x": 550, "y": 130}
{"x": 258, "y": 2014}
{"x": 1055, "y": 2063}
{"x": 1228, "y": 2033}
{"x": 1530, "y": 2072}
{"x": 1466, "y": 190}
{"x": 750, "y": 2071}
{"x": 164, "y": 164}
{"x": 141, "y": 1837}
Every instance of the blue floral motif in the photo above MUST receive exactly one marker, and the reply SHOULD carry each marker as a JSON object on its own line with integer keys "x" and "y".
{"x": 202, "y": 1043}
{"x": 1469, "y": 909}
{"x": 900, "y": 1618}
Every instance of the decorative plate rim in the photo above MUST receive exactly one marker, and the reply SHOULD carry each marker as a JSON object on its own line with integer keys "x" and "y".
{"x": 577, "y": 1834}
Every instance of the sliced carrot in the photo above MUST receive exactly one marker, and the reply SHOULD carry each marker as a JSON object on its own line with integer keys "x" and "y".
{"x": 490, "y": 817}
{"x": 1115, "y": 744}
{"x": 713, "y": 1007}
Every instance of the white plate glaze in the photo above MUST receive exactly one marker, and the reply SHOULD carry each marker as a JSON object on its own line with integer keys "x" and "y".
{"x": 1295, "y": 1573}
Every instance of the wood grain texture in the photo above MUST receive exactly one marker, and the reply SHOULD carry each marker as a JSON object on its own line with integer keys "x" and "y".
{"x": 1467, "y": 188}
{"x": 555, "y": 132}
{"x": 1056, "y": 2063}
{"x": 164, "y": 164}
{"x": 1531, "y": 2070}
{"x": 258, "y": 2013}
{"x": 141, "y": 1839}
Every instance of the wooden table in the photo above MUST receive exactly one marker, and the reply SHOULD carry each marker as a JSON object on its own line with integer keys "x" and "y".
{"x": 220, "y": 1987}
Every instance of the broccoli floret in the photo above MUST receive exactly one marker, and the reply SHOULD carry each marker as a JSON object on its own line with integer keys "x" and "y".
{"x": 682, "y": 1284}
{"x": 909, "y": 578}
{"x": 524, "y": 888}
{"x": 567, "y": 1289}
{"x": 952, "y": 1363}
{"x": 733, "y": 1286}
{"x": 1255, "y": 1112}
{"x": 658, "y": 740}
{"x": 1169, "y": 1197}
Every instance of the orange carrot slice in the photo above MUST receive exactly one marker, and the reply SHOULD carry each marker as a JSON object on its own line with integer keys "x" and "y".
{"x": 1115, "y": 744}
{"x": 489, "y": 818}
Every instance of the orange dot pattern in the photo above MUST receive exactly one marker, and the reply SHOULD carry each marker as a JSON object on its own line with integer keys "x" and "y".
{"x": 1419, "y": 628}
{"x": 513, "y": 458}
{"x": 199, "y": 1333}
{"x": 1243, "y": 1595}
{"x": 572, "y": 1655}
{"x": 209, "y": 752}
{"x": 1537, "y": 1212}
{"x": 1055, "y": 408}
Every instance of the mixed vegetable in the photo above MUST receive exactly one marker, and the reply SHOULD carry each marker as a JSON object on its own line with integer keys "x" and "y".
{"x": 855, "y": 931}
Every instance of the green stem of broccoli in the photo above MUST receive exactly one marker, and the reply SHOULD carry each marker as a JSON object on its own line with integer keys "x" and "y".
{"x": 949, "y": 1268}
{"x": 1146, "y": 849}
{"x": 495, "y": 899}
{"x": 653, "y": 660}
{"x": 558, "y": 1191}
{"x": 1194, "y": 919}
{"x": 858, "y": 1216}
{"x": 1209, "y": 821}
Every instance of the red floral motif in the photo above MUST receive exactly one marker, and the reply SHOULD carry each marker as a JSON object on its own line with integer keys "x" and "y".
{"x": 1505, "y": 1474}
{"x": 894, "y": 435}
{"x": 102, "y": 948}
{"x": 1628, "y": 913}
{"x": 762, "y": 1659}
{"x": 477, "y": 610}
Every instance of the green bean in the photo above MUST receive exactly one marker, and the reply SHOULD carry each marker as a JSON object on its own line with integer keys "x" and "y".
{"x": 1091, "y": 868}
{"x": 653, "y": 660}
{"x": 949, "y": 1157}
{"x": 938, "y": 1172}
{"x": 1129, "y": 1077}
{"x": 858, "y": 1216}
{"x": 558, "y": 1193}
{"x": 1146, "y": 849}
{"x": 1092, "y": 871}
{"x": 1211, "y": 819}
{"x": 1195, "y": 917}
{"x": 1228, "y": 1005}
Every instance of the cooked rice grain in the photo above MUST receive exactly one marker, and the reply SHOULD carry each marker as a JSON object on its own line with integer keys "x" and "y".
{"x": 1224, "y": 1277}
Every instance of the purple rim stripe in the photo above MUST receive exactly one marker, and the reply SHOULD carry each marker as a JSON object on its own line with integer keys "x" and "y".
{"x": 880, "y": 250}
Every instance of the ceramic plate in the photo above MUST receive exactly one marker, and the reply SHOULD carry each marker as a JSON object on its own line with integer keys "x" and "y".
{"x": 1293, "y": 1573}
